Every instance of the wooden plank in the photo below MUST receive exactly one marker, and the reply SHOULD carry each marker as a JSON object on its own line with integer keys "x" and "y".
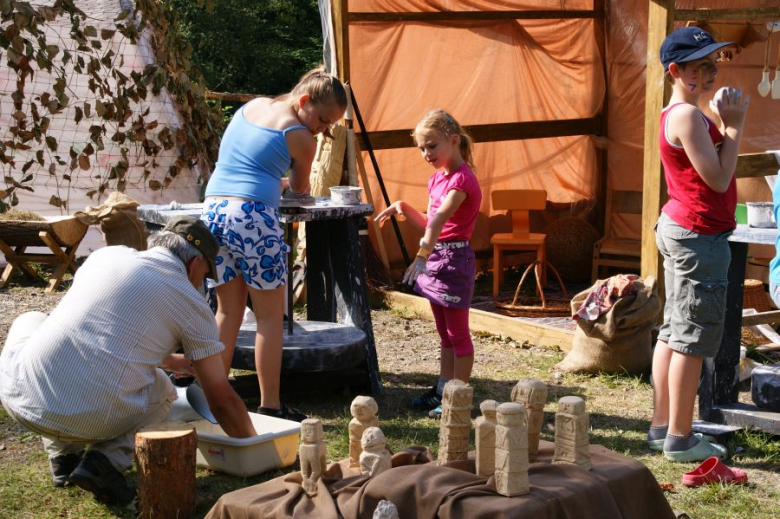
{"x": 657, "y": 92}
{"x": 341, "y": 19}
{"x": 480, "y": 320}
{"x": 228, "y": 96}
{"x": 756, "y": 165}
{"x": 761, "y": 318}
{"x": 448, "y": 16}
{"x": 744, "y": 13}
{"x": 394, "y": 139}
{"x": 749, "y": 417}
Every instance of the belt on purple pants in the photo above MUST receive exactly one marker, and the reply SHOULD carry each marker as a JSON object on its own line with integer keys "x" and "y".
{"x": 451, "y": 245}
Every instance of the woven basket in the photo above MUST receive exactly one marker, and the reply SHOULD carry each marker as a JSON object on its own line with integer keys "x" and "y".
{"x": 755, "y": 296}
{"x": 540, "y": 305}
{"x": 569, "y": 245}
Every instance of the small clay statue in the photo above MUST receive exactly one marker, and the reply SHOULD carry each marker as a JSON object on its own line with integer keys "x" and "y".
{"x": 532, "y": 394}
{"x": 572, "y": 438}
{"x": 385, "y": 510}
{"x": 486, "y": 439}
{"x": 312, "y": 454}
{"x": 455, "y": 421}
{"x": 511, "y": 474}
{"x": 363, "y": 409}
{"x": 375, "y": 458}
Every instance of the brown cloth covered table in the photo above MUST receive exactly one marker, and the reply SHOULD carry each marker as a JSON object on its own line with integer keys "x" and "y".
{"x": 617, "y": 487}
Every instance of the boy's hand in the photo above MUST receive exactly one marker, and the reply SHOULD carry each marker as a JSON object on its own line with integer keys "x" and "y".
{"x": 732, "y": 108}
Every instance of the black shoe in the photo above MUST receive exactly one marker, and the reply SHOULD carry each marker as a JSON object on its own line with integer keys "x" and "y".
{"x": 96, "y": 474}
{"x": 61, "y": 467}
{"x": 286, "y": 412}
{"x": 427, "y": 401}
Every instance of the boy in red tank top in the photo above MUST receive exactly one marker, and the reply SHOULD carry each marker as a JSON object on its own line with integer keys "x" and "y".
{"x": 692, "y": 235}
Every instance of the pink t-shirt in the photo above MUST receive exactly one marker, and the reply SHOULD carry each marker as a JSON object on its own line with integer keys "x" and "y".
{"x": 461, "y": 224}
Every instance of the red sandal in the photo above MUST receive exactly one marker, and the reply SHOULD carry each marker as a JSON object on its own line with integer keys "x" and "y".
{"x": 712, "y": 470}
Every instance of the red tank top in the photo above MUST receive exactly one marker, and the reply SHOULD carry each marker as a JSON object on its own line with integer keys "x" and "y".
{"x": 692, "y": 203}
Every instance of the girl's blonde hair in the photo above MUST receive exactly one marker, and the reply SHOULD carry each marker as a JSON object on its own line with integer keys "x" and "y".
{"x": 437, "y": 120}
{"x": 322, "y": 88}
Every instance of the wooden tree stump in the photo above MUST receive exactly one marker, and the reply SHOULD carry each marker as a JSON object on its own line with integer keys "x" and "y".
{"x": 165, "y": 455}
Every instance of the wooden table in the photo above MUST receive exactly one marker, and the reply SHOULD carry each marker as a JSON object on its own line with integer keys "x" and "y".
{"x": 335, "y": 274}
{"x": 719, "y": 388}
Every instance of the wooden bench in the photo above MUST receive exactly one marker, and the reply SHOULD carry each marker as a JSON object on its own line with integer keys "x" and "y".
{"x": 61, "y": 236}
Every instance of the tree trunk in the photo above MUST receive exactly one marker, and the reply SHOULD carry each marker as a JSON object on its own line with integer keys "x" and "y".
{"x": 165, "y": 455}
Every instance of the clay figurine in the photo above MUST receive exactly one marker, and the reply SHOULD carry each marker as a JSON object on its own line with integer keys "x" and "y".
{"x": 363, "y": 409}
{"x": 455, "y": 421}
{"x": 312, "y": 454}
{"x": 375, "y": 458}
{"x": 485, "y": 436}
{"x": 385, "y": 510}
{"x": 572, "y": 438}
{"x": 511, "y": 474}
{"x": 532, "y": 394}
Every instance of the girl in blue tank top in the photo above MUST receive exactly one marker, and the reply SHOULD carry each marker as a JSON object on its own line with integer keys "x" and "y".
{"x": 264, "y": 139}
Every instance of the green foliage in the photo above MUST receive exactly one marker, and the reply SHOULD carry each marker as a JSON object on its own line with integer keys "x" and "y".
{"x": 115, "y": 118}
{"x": 260, "y": 47}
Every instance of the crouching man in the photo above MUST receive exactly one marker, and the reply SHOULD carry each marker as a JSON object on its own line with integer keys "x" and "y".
{"x": 87, "y": 376}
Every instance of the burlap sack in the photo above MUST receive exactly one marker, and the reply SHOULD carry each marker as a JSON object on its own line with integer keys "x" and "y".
{"x": 118, "y": 221}
{"x": 620, "y": 340}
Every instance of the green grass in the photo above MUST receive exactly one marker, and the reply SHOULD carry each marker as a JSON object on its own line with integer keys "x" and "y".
{"x": 619, "y": 407}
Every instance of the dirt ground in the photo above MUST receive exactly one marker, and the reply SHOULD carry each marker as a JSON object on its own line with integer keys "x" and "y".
{"x": 407, "y": 347}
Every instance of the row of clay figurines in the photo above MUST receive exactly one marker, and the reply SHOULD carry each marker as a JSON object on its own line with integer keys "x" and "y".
{"x": 507, "y": 436}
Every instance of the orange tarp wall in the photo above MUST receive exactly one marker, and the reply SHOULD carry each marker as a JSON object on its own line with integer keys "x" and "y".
{"x": 505, "y": 71}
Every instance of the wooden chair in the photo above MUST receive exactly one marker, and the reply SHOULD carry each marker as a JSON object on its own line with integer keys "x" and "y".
{"x": 518, "y": 203}
{"x": 624, "y": 253}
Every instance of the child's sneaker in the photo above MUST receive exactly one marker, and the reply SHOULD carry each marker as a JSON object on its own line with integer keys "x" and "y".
{"x": 435, "y": 413}
{"x": 428, "y": 400}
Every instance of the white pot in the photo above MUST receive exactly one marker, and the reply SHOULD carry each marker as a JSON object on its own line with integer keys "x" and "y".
{"x": 761, "y": 214}
{"x": 345, "y": 195}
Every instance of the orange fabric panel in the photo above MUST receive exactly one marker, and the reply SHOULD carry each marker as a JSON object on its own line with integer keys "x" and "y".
{"x": 482, "y": 72}
{"x": 530, "y": 70}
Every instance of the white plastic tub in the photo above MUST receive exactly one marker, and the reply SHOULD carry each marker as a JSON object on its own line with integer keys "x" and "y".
{"x": 760, "y": 214}
{"x": 275, "y": 446}
{"x": 345, "y": 195}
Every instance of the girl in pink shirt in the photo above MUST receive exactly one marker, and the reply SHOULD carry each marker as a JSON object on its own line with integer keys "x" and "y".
{"x": 443, "y": 270}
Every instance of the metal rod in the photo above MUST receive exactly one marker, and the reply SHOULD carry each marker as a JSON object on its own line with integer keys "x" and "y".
{"x": 370, "y": 151}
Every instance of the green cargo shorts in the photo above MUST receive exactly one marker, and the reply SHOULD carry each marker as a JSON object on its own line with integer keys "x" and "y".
{"x": 696, "y": 269}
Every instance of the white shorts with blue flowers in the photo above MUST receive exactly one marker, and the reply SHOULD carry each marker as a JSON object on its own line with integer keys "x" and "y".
{"x": 251, "y": 242}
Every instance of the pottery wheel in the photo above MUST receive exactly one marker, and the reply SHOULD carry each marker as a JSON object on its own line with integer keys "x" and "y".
{"x": 312, "y": 347}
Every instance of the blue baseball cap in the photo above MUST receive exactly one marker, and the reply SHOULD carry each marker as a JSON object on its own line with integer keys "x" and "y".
{"x": 688, "y": 44}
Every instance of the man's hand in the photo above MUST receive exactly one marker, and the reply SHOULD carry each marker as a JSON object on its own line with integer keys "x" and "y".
{"x": 178, "y": 364}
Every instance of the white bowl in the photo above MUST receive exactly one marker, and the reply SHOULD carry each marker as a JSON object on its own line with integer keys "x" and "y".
{"x": 345, "y": 195}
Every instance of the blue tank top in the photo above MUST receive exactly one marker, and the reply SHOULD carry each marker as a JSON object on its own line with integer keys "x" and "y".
{"x": 252, "y": 161}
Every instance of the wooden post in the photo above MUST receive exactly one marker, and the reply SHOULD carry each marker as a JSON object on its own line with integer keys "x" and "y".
{"x": 165, "y": 456}
{"x": 341, "y": 36}
{"x": 657, "y": 93}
